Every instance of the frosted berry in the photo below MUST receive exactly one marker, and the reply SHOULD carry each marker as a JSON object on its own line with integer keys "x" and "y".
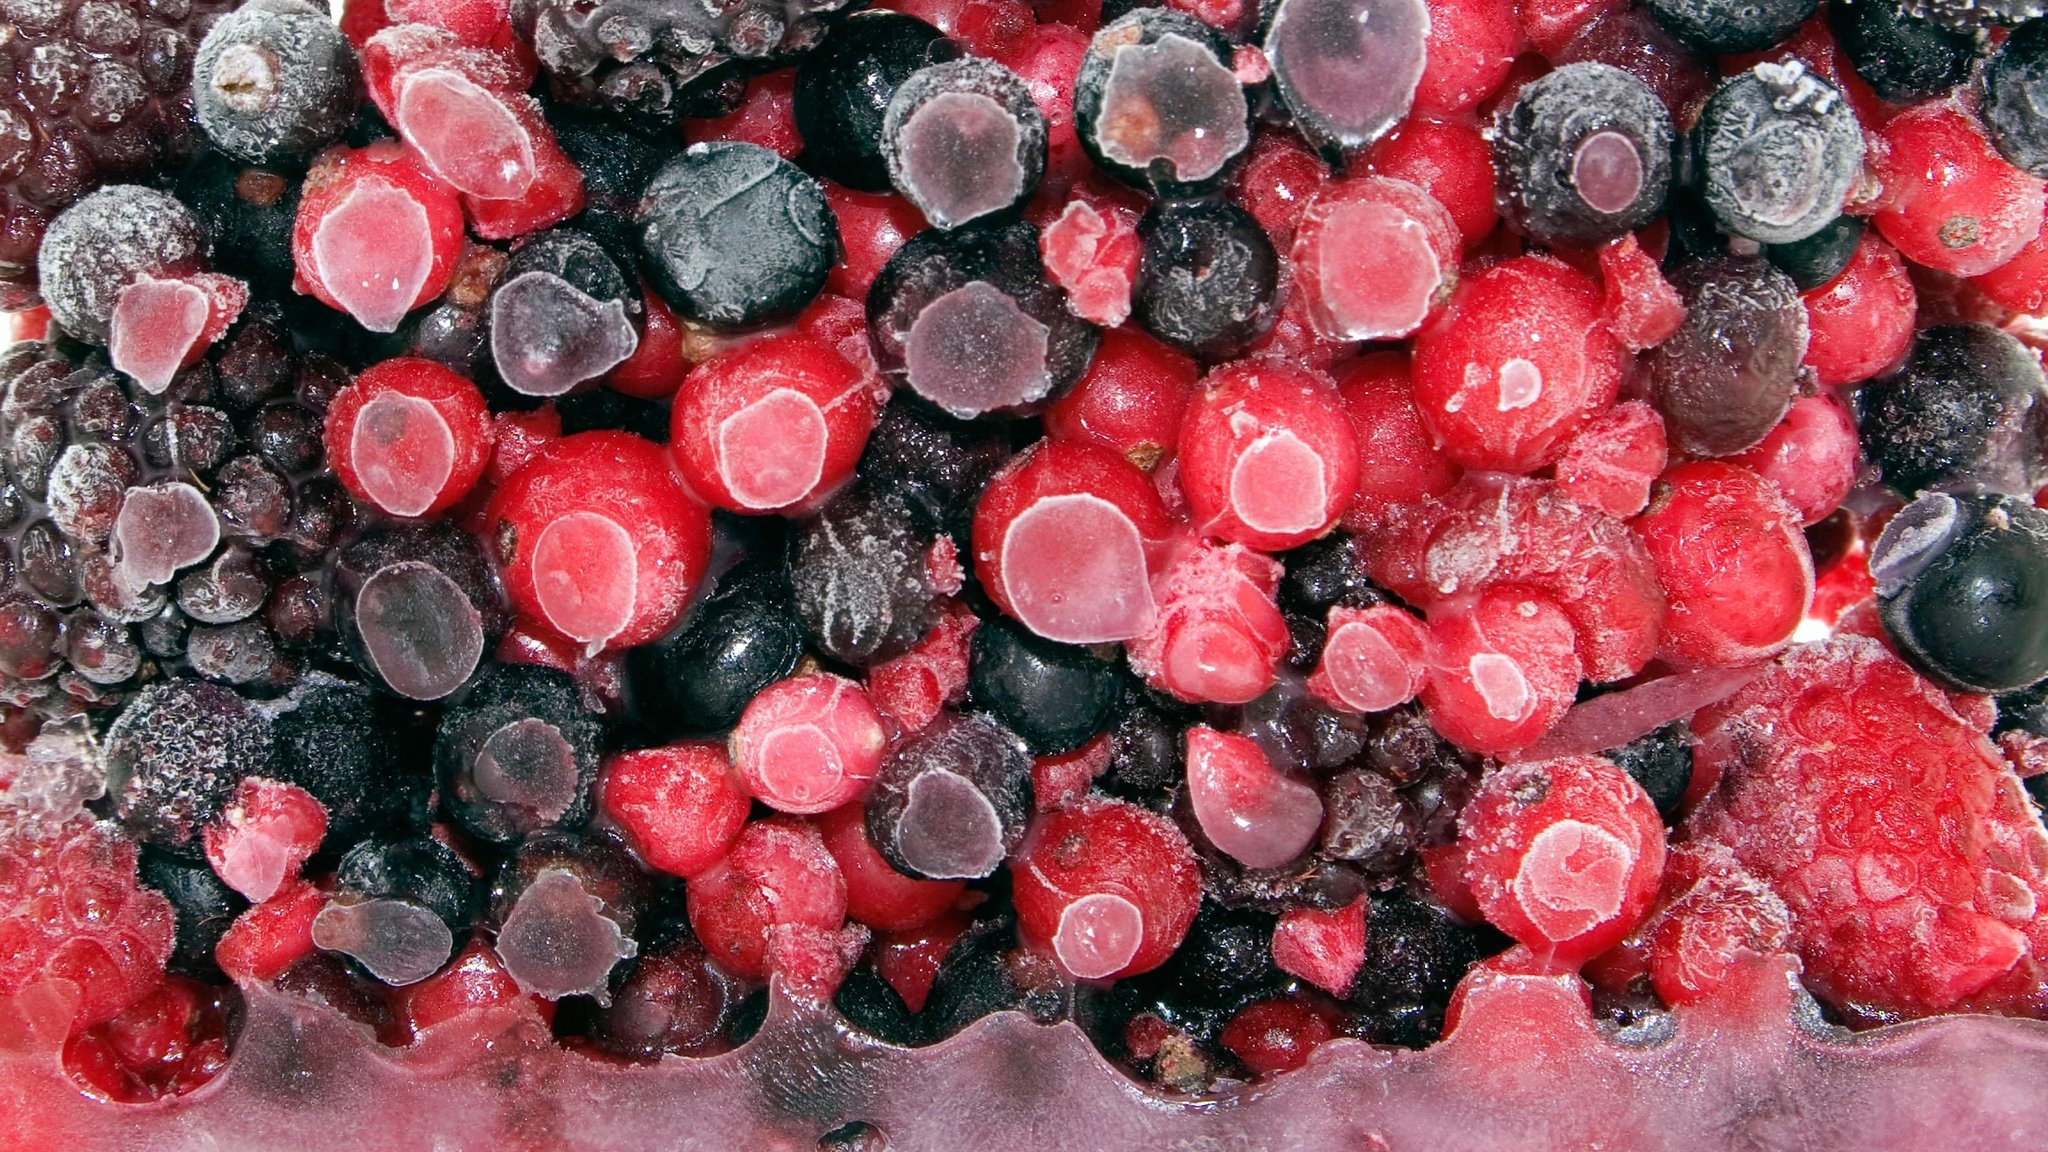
{"x": 1727, "y": 377}
{"x": 1903, "y": 57}
{"x": 1583, "y": 156}
{"x": 808, "y": 744}
{"x": 376, "y": 234}
{"x": 1503, "y": 669}
{"x": 202, "y": 904}
{"x": 107, "y": 241}
{"x": 1720, "y": 26}
{"x": 1612, "y": 462}
{"x": 779, "y": 873}
{"x": 517, "y": 754}
{"x": 963, "y": 140}
{"x": 734, "y": 235}
{"x": 1811, "y": 456}
{"x": 1399, "y": 462}
{"x": 1107, "y": 888}
{"x": 416, "y": 605}
{"x": 844, "y": 87}
{"x": 1779, "y": 150}
{"x": 1208, "y": 280}
{"x": 565, "y": 910}
{"x": 408, "y": 436}
{"x": 1952, "y": 203}
{"x": 1453, "y": 161}
{"x": 1157, "y": 104}
{"x": 680, "y": 806}
{"x": 772, "y": 426}
{"x": 398, "y": 907}
{"x": 563, "y": 313}
{"x": 1632, "y": 40}
{"x": 1372, "y": 659}
{"x": 1092, "y": 252}
{"x": 868, "y": 584}
{"x": 2016, "y": 70}
{"x": 330, "y": 738}
{"x": 1327, "y": 949}
{"x": 1960, "y": 589}
{"x": 877, "y": 893}
{"x": 1732, "y": 561}
{"x": 1965, "y": 413}
{"x": 1267, "y": 456}
{"x": 175, "y": 755}
{"x": 1712, "y": 915}
{"x": 950, "y": 802}
{"x": 1470, "y": 49}
{"x": 87, "y": 921}
{"x": 1218, "y": 636}
{"x": 1131, "y": 399}
{"x": 274, "y": 82}
{"x": 1861, "y": 323}
{"x": 1373, "y": 258}
{"x": 1347, "y": 70}
{"x": 266, "y": 832}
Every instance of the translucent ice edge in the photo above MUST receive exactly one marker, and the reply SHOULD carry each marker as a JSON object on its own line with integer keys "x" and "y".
{"x": 1526, "y": 1069}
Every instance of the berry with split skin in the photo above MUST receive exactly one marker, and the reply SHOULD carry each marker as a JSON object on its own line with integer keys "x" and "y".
{"x": 1962, "y": 589}
{"x": 779, "y": 874}
{"x": 1968, "y": 412}
{"x": 679, "y": 806}
{"x": 1247, "y": 807}
{"x": 950, "y": 802}
{"x": 409, "y": 437}
{"x": 1778, "y": 151}
{"x": 1952, "y": 202}
{"x": 809, "y": 744}
{"x": 1055, "y": 696}
{"x": 773, "y": 426}
{"x": 1208, "y": 277}
{"x": 1092, "y": 251}
{"x": 1728, "y": 375}
{"x": 1373, "y": 258}
{"x": 2015, "y": 72}
{"x": 1348, "y": 70}
{"x": 517, "y": 754}
{"x": 843, "y": 91}
{"x": 1732, "y": 560}
{"x": 964, "y": 140}
{"x": 563, "y": 313}
{"x": 1156, "y": 103}
{"x": 597, "y": 540}
{"x": 274, "y": 82}
{"x": 1612, "y": 462}
{"x": 743, "y": 637}
{"x": 1106, "y": 888}
{"x": 1275, "y": 1036}
{"x": 1904, "y": 58}
{"x": 1267, "y": 454}
{"x": 1724, "y": 26}
{"x": 1861, "y": 323}
{"x": 376, "y": 234}
{"x": 399, "y": 908}
{"x": 735, "y": 236}
{"x": 1618, "y": 136}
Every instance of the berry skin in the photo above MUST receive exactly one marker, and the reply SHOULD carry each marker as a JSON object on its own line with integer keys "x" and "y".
{"x": 1612, "y": 462}
{"x": 1092, "y": 252}
{"x": 1398, "y": 461}
{"x": 1711, "y": 914}
{"x": 1811, "y": 456}
{"x": 1218, "y": 636}
{"x": 1503, "y": 670}
{"x": 1373, "y": 258}
{"x": 1968, "y": 412}
{"x": 1067, "y": 538}
{"x": 773, "y": 426}
{"x": 1515, "y": 364}
{"x": 1131, "y": 399}
{"x": 1962, "y": 589}
{"x": 1904, "y": 58}
{"x": 598, "y": 541}
{"x": 1618, "y": 137}
{"x": 778, "y": 874}
{"x": 1346, "y": 91}
{"x": 274, "y": 82}
{"x": 1727, "y": 377}
{"x": 1911, "y": 801}
{"x": 2015, "y": 71}
{"x": 843, "y": 90}
{"x": 1108, "y": 889}
{"x": 1952, "y": 203}
{"x": 1267, "y": 456}
{"x": 1861, "y": 322}
{"x": 734, "y": 236}
{"x": 1208, "y": 279}
{"x": 808, "y": 744}
{"x": 1279, "y": 176}
{"x": 1056, "y": 696}
{"x": 409, "y": 436}
{"x": 1150, "y": 59}
{"x": 376, "y": 235}
{"x": 680, "y": 806}
{"x": 949, "y": 804}
{"x": 1449, "y": 158}
{"x": 1565, "y": 855}
{"x": 2021, "y": 283}
{"x": 1779, "y": 150}
{"x": 1642, "y": 308}
{"x": 516, "y": 755}
{"x": 911, "y": 689}
{"x": 1723, "y": 26}
{"x": 1733, "y": 563}
{"x": 964, "y": 140}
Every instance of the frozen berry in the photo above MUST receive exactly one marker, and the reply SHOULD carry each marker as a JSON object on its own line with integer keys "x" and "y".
{"x": 1811, "y": 456}
{"x": 416, "y": 605}
{"x": 772, "y": 426}
{"x": 175, "y": 754}
{"x": 1218, "y": 636}
{"x": 274, "y": 82}
{"x": 1208, "y": 279}
{"x": 1267, "y": 456}
{"x": 1727, "y": 377}
{"x": 1131, "y": 399}
{"x": 1733, "y": 562}
{"x": 1056, "y": 696}
{"x": 1731, "y": 26}
{"x": 1583, "y": 156}
{"x": 1779, "y": 149}
{"x": 951, "y": 801}
{"x": 734, "y": 235}
{"x": 1504, "y": 667}
{"x": 399, "y": 908}
{"x": 809, "y": 744}
{"x": 1967, "y": 412}
{"x": 743, "y": 637}
{"x": 107, "y": 241}
{"x": 1962, "y": 588}
{"x": 843, "y": 90}
{"x": 1662, "y": 763}
{"x": 517, "y": 754}
{"x": 562, "y": 313}
{"x": 2016, "y": 71}
{"x": 868, "y": 584}
{"x": 1903, "y": 57}
{"x": 1106, "y": 887}
{"x": 680, "y": 806}
{"x": 778, "y": 874}
{"x": 408, "y": 436}
{"x": 963, "y": 140}
{"x": 203, "y": 905}
{"x": 1156, "y": 102}
{"x": 1348, "y": 70}
{"x": 1952, "y": 203}
{"x": 1325, "y": 948}
{"x": 264, "y": 835}
{"x": 330, "y": 737}
{"x": 376, "y": 234}
{"x": 76, "y": 913}
{"x": 565, "y": 910}
{"x": 1247, "y": 807}
{"x": 1614, "y": 459}
{"x": 1372, "y": 659}
{"x": 1821, "y": 257}
{"x": 1406, "y": 462}
{"x": 1861, "y": 323}
{"x": 1373, "y": 258}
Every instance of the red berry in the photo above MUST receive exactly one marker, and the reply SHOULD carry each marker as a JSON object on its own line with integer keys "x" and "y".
{"x": 598, "y": 541}
{"x": 1861, "y": 322}
{"x": 1106, "y": 888}
{"x": 1712, "y": 914}
{"x": 1219, "y": 636}
{"x": 681, "y": 806}
{"x": 655, "y": 369}
{"x": 1453, "y": 161}
{"x": 1267, "y": 455}
{"x": 480, "y": 23}
{"x": 1810, "y": 456}
{"x": 872, "y": 226}
{"x": 1612, "y": 462}
{"x": 409, "y": 437}
{"x": 877, "y": 895}
{"x": 166, "y": 1044}
{"x": 1274, "y": 1036}
{"x": 778, "y": 874}
{"x": 1373, "y": 258}
{"x": 160, "y": 325}
{"x": 376, "y": 234}
{"x": 1280, "y": 174}
{"x": 272, "y": 936}
{"x": 400, "y": 50}
{"x": 475, "y": 981}
{"x": 1472, "y": 44}
{"x": 1063, "y": 779}
{"x": 1641, "y": 308}
{"x": 766, "y": 117}
{"x": 841, "y": 325}
{"x": 1732, "y": 560}
{"x": 555, "y": 195}
{"x": 911, "y": 689}
{"x": 1515, "y": 365}
{"x": 1048, "y": 66}
{"x": 1250, "y": 810}
{"x": 2020, "y": 283}
{"x": 1092, "y": 252}
{"x": 1373, "y": 659}
{"x": 76, "y": 912}
{"x": 1131, "y": 399}
{"x": 518, "y": 437}
{"x": 1565, "y": 855}
{"x": 1550, "y": 24}
{"x": 1325, "y": 948}
{"x": 772, "y": 426}
{"x": 809, "y": 744}
{"x": 1399, "y": 463}
{"x": 1504, "y": 669}
{"x": 997, "y": 29}
{"x": 267, "y": 831}
{"x": 909, "y": 961}
{"x": 1066, "y": 538}
{"x": 1951, "y": 201}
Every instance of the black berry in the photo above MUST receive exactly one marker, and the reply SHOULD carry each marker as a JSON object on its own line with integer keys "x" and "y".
{"x": 1056, "y": 696}
{"x": 1820, "y": 257}
{"x": 1778, "y": 148}
{"x": 1582, "y": 156}
{"x": 2015, "y": 110}
{"x": 274, "y": 82}
{"x": 1157, "y": 105}
{"x": 517, "y": 754}
{"x": 1723, "y": 26}
{"x": 1966, "y": 412}
{"x": 1904, "y": 58}
{"x": 733, "y": 235}
{"x": 950, "y": 802}
{"x": 1727, "y": 377}
{"x": 964, "y": 140}
{"x": 1208, "y": 280}
{"x": 843, "y": 91}
{"x": 1962, "y": 589}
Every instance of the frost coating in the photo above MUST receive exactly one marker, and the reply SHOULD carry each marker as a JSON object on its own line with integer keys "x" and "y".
{"x": 1912, "y": 540}
{"x": 274, "y": 81}
{"x": 1172, "y": 101}
{"x": 948, "y": 829}
{"x": 799, "y": 765}
{"x": 1359, "y": 295}
{"x": 398, "y": 941}
{"x": 1779, "y": 151}
{"x": 963, "y": 140}
{"x": 162, "y": 528}
{"x": 548, "y": 336}
{"x": 1277, "y": 485}
{"x": 1367, "y": 672}
{"x": 466, "y": 134}
{"x": 1573, "y": 877}
{"x": 373, "y": 253}
{"x": 403, "y": 452}
{"x": 973, "y": 350}
{"x": 1521, "y": 385}
{"x": 1608, "y": 171}
{"x": 527, "y": 763}
{"x": 101, "y": 244}
{"x": 1098, "y": 935}
{"x": 1347, "y": 69}
{"x": 771, "y": 453}
{"x": 586, "y": 576}
{"x": 557, "y": 940}
{"x": 420, "y": 632}
{"x": 1074, "y": 569}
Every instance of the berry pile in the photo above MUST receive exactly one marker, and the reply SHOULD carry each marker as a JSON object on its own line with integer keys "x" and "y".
{"x": 1210, "y": 524}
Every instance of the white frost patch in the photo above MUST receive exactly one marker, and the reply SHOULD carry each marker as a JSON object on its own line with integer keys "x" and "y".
{"x": 799, "y": 766}
{"x": 586, "y": 576}
{"x": 771, "y": 453}
{"x": 1521, "y": 384}
{"x": 1277, "y": 485}
{"x": 1074, "y": 569}
{"x": 1500, "y": 683}
{"x": 373, "y": 253}
{"x": 949, "y": 830}
{"x": 162, "y": 528}
{"x": 466, "y": 134}
{"x": 1098, "y": 935}
{"x": 403, "y": 453}
{"x": 1573, "y": 877}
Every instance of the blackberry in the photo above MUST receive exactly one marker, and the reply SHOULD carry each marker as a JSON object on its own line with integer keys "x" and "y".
{"x": 1724, "y": 26}
{"x": 174, "y": 756}
{"x": 1583, "y": 156}
{"x": 1969, "y": 411}
{"x": 1727, "y": 377}
{"x": 1055, "y": 696}
{"x": 1778, "y": 148}
{"x": 653, "y": 62}
{"x": 1157, "y": 105}
{"x": 517, "y": 754}
{"x": 1662, "y": 763}
{"x": 733, "y": 235}
{"x": 1208, "y": 278}
{"x": 274, "y": 82}
{"x": 1962, "y": 590}
{"x": 2015, "y": 109}
{"x": 950, "y": 802}
{"x": 563, "y": 312}
{"x": 964, "y": 140}
{"x": 1819, "y": 258}
{"x": 399, "y": 908}
{"x": 863, "y": 578}
{"x": 330, "y": 737}
{"x": 741, "y": 638}
{"x": 1904, "y": 58}
{"x": 843, "y": 91}
{"x": 101, "y": 93}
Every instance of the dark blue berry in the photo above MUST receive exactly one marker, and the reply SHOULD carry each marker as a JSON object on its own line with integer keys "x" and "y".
{"x": 1967, "y": 412}
{"x": 563, "y": 313}
{"x": 1147, "y": 748}
{"x": 565, "y": 910}
{"x": 1819, "y": 258}
{"x": 1056, "y": 696}
{"x": 964, "y": 140}
{"x": 416, "y": 606}
{"x": 1903, "y": 58}
{"x": 1367, "y": 822}
{"x": 174, "y": 756}
{"x": 99, "y": 245}
{"x": 1725, "y": 379}
{"x": 1415, "y": 954}
{"x": 844, "y": 86}
{"x": 696, "y": 681}
{"x": 1582, "y": 156}
{"x": 862, "y": 578}
{"x": 419, "y": 870}
{"x": 1208, "y": 278}
{"x": 275, "y": 81}
{"x": 951, "y": 801}
{"x": 1724, "y": 26}
{"x": 1326, "y": 573}
{"x": 1156, "y": 103}
{"x": 204, "y": 908}
{"x": 733, "y": 235}
{"x": 517, "y": 754}
{"x": 333, "y": 738}
{"x": 1662, "y": 763}
{"x": 1346, "y": 70}
{"x": 1962, "y": 589}
{"x": 1777, "y": 149}
{"x": 2015, "y": 108}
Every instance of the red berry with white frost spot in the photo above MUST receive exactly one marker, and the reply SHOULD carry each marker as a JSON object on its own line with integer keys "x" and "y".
{"x": 1564, "y": 855}
{"x": 809, "y": 744}
{"x": 1518, "y": 362}
{"x": 1325, "y": 948}
{"x": 1092, "y": 253}
{"x": 1131, "y": 399}
{"x": 1398, "y": 461}
{"x": 778, "y": 874}
{"x": 1373, "y": 659}
{"x": 1951, "y": 202}
{"x": 597, "y": 540}
{"x": 1451, "y": 159}
{"x": 1219, "y": 635}
{"x": 1810, "y": 456}
{"x": 1733, "y": 562}
{"x": 376, "y": 234}
{"x": 1277, "y": 180}
{"x": 162, "y": 324}
{"x": 2020, "y": 283}
{"x": 681, "y": 806}
{"x": 877, "y": 895}
{"x": 1106, "y": 888}
{"x": 1066, "y": 540}
{"x": 409, "y": 436}
{"x": 1267, "y": 455}
{"x": 1251, "y": 811}
{"x": 1861, "y": 322}
{"x": 1614, "y": 459}
{"x": 1504, "y": 668}
{"x": 1373, "y": 258}
{"x": 267, "y": 831}
{"x": 772, "y": 426}
{"x": 1273, "y": 1036}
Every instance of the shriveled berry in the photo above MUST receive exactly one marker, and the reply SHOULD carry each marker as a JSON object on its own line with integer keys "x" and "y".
{"x": 1617, "y": 135}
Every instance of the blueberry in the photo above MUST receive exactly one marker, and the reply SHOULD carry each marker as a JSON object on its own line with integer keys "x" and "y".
{"x": 1415, "y": 954}
{"x": 1208, "y": 279}
{"x": 617, "y": 164}
{"x": 332, "y": 738}
{"x": 1967, "y": 412}
{"x": 1904, "y": 59}
{"x": 1662, "y": 763}
{"x": 246, "y": 214}
{"x": 1727, "y": 377}
{"x": 563, "y": 313}
{"x": 964, "y": 140}
{"x": 1582, "y": 156}
{"x": 1778, "y": 149}
{"x": 1724, "y": 26}
{"x": 175, "y": 754}
{"x": 2015, "y": 110}
{"x": 1157, "y": 105}
{"x": 967, "y": 319}
{"x": 517, "y": 754}
{"x": 399, "y": 907}
{"x": 274, "y": 81}
{"x": 697, "y": 681}
{"x": 844, "y": 86}
{"x": 416, "y": 605}
{"x": 979, "y": 976}
{"x": 1345, "y": 69}
{"x": 204, "y": 908}
{"x": 733, "y": 235}
{"x": 674, "y": 1000}
{"x": 950, "y": 802}
{"x": 100, "y": 244}
{"x": 1819, "y": 258}
{"x": 1962, "y": 589}
{"x": 937, "y": 465}
{"x": 862, "y": 578}
{"x": 1056, "y": 696}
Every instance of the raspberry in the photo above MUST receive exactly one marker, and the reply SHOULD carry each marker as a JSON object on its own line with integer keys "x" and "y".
{"x": 1107, "y": 888}
{"x": 1267, "y": 456}
{"x": 1093, "y": 254}
{"x": 1951, "y": 202}
{"x": 680, "y": 806}
{"x": 409, "y": 436}
{"x": 1733, "y": 563}
{"x": 166, "y": 1044}
{"x": 1373, "y": 258}
{"x": 773, "y": 426}
{"x": 1906, "y": 853}
{"x": 74, "y": 912}
{"x": 1861, "y": 322}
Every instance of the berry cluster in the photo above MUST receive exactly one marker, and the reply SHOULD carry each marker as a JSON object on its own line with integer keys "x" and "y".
{"x": 1205, "y": 521}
